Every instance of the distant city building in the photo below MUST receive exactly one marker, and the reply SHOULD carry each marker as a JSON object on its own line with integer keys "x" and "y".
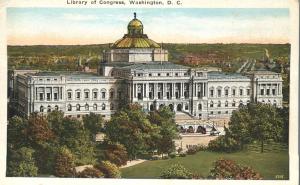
{"x": 136, "y": 70}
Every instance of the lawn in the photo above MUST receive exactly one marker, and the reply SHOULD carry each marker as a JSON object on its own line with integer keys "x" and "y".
{"x": 268, "y": 164}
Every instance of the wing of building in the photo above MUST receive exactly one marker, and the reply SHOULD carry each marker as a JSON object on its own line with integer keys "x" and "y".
{"x": 136, "y": 70}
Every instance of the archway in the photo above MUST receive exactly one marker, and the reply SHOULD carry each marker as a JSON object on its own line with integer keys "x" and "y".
{"x": 201, "y": 130}
{"x": 171, "y": 107}
{"x": 179, "y": 107}
{"x": 190, "y": 129}
{"x": 151, "y": 107}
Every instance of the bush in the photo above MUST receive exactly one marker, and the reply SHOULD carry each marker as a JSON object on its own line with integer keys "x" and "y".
{"x": 155, "y": 157}
{"x": 179, "y": 150}
{"x": 201, "y": 147}
{"x": 228, "y": 169}
{"x": 90, "y": 173}
{"x": 191, "y": 150}
{"x": 64, "y": 163}
{"x": 223, "y": 144}
{"x": 109, "y": 169}
{"x": 176, "y": 171}
{"x": 172, "y": 155}
{"x": 182, "y": 154}
{"x": 116, "y": 153}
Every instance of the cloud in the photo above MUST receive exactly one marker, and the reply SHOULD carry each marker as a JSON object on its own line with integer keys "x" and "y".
{"x": 79, "y": 17}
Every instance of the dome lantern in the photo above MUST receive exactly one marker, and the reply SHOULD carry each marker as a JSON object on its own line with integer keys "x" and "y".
{"x": 135, "y": 27}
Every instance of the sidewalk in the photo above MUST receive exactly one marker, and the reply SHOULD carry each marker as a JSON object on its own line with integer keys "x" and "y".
{"x": 133, "y": 162}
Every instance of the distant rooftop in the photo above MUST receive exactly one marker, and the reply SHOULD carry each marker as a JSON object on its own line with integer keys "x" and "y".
{"x": 156, "y": 65}
{"x": 221, "y": 75}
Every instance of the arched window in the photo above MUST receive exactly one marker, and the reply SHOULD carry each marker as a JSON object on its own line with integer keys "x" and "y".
{"x": 78, "y": 107}
{"x": 69, "y": 92}
{"x": 103, "y": 106}
{"x": 56, "y": 107}
{"x": 219, "y": 103}
{"x": 42, "y": 109}
{"x": 275, "y": 103}
{"x": 111, "y": 94}
{"x": 87, "y": 107}
{"x": 95, "y": 106}
{"x": 211, "y": 92}
{"x": 199, "y": 106}
{"x": 111, "y": 106}
{"x": 49, "y": 108}
{"x": 69, "y": 107}
{"x": 103, "y": 93}
{"x": 241, "y": 103}
{"x": 211, "y": 104}
{"x": 95, "y": 94}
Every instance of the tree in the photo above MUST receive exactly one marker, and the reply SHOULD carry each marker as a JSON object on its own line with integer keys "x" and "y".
{"x": 64, "y": 163}
{"x": 21, "y": 163}
{"x": 164, "y": 119}
{"x": 116, "y": 153}
{"x": 109, "y": 169}
{"x": 265, "y": 124}
{"x": 239, "y": 126}
{"x": 176, "y": 171}
{"x": 131, "y": 128}
{"x": 55, "y": 120}
{"x": 15, "y": 132}
{"x": 38, "y": 131}
{"x": 78, "y": 140}
{"x": 93, "y": 122}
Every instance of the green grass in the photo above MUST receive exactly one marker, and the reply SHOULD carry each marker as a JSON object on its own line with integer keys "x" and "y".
{"x": 268, "y": 164}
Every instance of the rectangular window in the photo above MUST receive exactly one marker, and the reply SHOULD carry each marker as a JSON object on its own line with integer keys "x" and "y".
{"x": 241, "y": 92}
{"x": 69, "y": 95}
{"x": 41, "y": 96}
{"x": 158, "y": 74}
{"x": 233, "y": 92}
{"x": 262, "y": 92}
{"x": 86, "y": 95}
{"x": 219, "y": 92}
{"x": 268, "y": 92}
{"x": 48, "y": 96}
{"x": 150, "y": 74}
{"x": 248, "y": 92}
{"x": 273, "y": 91}
{"x": 226, "y": 92}
{"x": 111, "y": 95}
{"x": 176, "y": 74}
{"x": 78, "y": 95}
{"x": 103, "y": 95}
{"x": 55, "y": 96}
{"x": 95, "y": 94}
{"x": 211, "y": 93}
{"x": 168, "y": 74}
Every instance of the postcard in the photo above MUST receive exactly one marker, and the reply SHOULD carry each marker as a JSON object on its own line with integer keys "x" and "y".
{"x": 149, "y": 91}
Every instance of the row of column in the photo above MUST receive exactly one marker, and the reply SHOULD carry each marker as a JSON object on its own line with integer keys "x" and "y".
{"x": 59, "y": 92}
{"x": 264, "y": 87}
{"x": 160, "y": 90}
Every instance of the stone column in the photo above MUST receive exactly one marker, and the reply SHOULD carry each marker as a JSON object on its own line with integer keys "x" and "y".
{"x": 155, "y": 91}
{"x": 173, "y": 90}
{"x": 134, "y": 91}
{"x": 182, "y": 90}
{"x": 44, "y": 99}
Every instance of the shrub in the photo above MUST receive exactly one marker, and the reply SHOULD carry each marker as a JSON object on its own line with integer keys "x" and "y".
{"x": 179, "y": 150}
{"x": 201, "y": 147}
{"x": 90, "y": 173}
{"x": 64, "y": 163}
{"x": 172, "y": 155}
{"x": 109, "y": 169}
{"x": 182, "y": 154}
{"x": 176, "y": 171}
{"x": 155, "y": 157}
{"x": 228, "y": 169}
{"x": 223, "y": 144}
{"x": 116, "y": 153}
{"x": 191, "y": 150}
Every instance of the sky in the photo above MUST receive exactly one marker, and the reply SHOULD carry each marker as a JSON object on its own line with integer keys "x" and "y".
{"x": 70, "y": 26}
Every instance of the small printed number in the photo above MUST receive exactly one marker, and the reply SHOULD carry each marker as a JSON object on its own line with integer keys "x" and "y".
{"x": 279, "y": 176}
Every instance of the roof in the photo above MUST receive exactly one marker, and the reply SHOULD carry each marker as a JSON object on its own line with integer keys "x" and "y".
{"x": 156, "y": 66}
{"x": 135, "y": 42}
{"x": 221, "y": 75}
{"x": 62, "y": 73}
{"x": 262, "y": 72}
